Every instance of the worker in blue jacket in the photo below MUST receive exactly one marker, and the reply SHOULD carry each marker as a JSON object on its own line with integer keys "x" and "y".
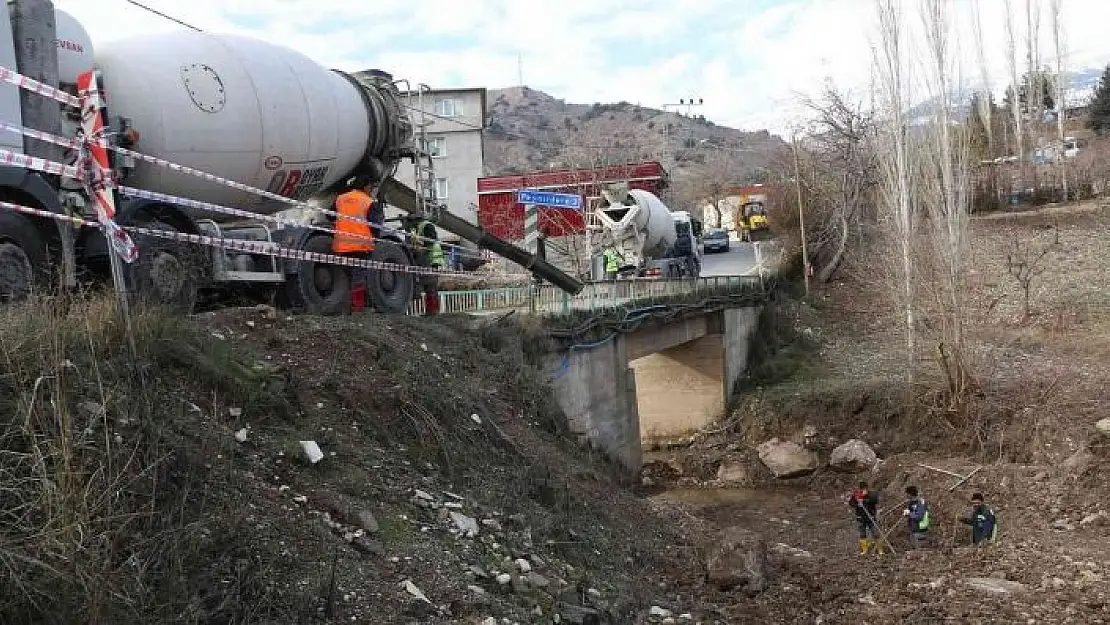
{"x": 983, "y": 522}
{"x": 917, "y": 516}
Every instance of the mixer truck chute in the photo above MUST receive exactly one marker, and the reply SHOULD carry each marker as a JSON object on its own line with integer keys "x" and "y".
{"x": 252, "y": 113}
{"x": 652, "y": 240}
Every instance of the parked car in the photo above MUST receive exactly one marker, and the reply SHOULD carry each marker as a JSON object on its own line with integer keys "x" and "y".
{"x": 716, "y": 240}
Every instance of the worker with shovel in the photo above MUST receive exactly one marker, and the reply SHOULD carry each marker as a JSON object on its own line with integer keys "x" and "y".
{"x": 866, "y": 506}
{"x": 917, "y": 516}
{"x": 983, "y": 522}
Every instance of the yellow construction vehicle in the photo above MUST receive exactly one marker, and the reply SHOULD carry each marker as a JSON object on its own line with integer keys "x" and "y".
{"x": 751, "y": 218}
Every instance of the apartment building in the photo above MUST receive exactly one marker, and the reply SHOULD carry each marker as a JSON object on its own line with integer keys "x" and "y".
{"x": 455, "y": 120}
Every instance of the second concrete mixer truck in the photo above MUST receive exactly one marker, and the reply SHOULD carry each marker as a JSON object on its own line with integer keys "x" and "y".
{"x": 651, "y": 240}
{"x": 244, "y": 110}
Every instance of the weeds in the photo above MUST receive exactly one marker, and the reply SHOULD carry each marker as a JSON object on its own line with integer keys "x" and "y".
{"x": 99, "y": 509}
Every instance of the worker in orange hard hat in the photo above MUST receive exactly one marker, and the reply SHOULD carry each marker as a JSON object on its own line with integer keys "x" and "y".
{"x": 352, "y": 228}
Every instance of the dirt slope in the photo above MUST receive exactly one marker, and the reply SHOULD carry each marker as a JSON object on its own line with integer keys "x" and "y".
{"x": 178, "y": 491}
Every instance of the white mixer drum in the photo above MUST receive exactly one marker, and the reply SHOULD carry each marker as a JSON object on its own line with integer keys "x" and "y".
{"x": 236, "y": 107}
{"x": 75, "y": 48}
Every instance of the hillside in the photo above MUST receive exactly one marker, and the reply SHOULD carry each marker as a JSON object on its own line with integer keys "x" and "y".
{"x": 170, "y": 484}
{"x": 531, "y": 130}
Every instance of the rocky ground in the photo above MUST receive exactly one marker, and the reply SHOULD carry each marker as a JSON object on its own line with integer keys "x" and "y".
{"x": 250, "y": 467}
{"x": 1039, "y": 450}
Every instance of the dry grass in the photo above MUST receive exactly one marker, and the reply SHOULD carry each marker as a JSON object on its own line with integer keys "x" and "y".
{"x": 1040, "y": 376}
{"x": 126, "y": 499}
{"x": 99, "y": 502}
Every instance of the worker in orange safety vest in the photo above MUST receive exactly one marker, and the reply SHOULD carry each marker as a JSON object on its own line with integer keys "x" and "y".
{"x": 352, "y": 228}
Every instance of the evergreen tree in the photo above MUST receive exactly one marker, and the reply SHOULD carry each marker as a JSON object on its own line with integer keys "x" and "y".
{"x": 1040, "y": 78}
{"x": 1098, "y": 116}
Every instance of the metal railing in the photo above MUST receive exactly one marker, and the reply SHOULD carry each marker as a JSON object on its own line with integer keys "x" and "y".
{"x": 597, "y": 296}
{"x": 549, "y": 300}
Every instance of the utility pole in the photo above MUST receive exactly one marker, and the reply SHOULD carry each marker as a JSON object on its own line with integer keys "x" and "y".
{"x": 520, "y": 68}
{"x": 688, "y": 104}
{"x": 801, "y": 212}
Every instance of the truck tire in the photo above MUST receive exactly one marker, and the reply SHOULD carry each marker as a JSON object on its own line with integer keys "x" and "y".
{"x": 167, "y": 273}
{"x": 23, "y": 256}
{"x": 320, "y": 288}
{"x": 390, "y": 291}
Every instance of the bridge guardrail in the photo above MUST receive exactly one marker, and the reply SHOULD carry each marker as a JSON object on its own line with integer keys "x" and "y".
{"x": 599, "y": 295}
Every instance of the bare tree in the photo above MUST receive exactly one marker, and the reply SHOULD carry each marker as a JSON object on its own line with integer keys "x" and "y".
{"x": 1061, "y": 90}
{"x": 985, "y": 103}
{"x": 945, "y": 183}
{"x": 1015, "y": 86}
{"x": 841, "y": 153}
{"x": 896, "y": 186}
{"x": 1025, "y": 264}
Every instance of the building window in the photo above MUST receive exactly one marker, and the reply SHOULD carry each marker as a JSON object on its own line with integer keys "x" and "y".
{"x": 437, "y": 146}
{"x": 449, "y": 107}
{"x": 441, "y": 188}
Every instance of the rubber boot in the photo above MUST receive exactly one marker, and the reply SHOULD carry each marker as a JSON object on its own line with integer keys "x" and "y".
{"x": 864, "y": 545}
{"x": 879, "y": 550}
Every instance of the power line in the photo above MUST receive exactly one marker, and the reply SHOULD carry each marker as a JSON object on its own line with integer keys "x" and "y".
{"x": 163, "y": 15}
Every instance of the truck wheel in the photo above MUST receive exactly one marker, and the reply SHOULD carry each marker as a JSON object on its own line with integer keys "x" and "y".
{"x": 166, "y": 273}
{"x": 390, "y": 291}
{"x": 320, "y": 288}
{"x": 23, "y": 256}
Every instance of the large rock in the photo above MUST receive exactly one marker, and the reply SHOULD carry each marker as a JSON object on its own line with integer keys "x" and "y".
{"x": 739, "y": 559}
{"x": 786, "y": 459}
{"x": 1103, "y": 427}
{"x": 994, "y": 586}
{"x": 1079, "y": 462}
{"x": 733, "y": 472}
{"x": 853, "y": 456}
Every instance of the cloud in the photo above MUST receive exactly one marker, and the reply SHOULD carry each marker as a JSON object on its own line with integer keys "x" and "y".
{"x": 749, "y": 60}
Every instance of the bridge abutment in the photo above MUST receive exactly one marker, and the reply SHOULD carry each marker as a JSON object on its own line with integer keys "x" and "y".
{"x": 658, "y": 383}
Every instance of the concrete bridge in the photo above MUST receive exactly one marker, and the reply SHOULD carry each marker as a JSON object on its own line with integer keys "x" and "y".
{"x": 659, "y": 382}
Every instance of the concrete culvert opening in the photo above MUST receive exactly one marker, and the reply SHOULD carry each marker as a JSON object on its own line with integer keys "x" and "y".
{"x": 679, "y": 390}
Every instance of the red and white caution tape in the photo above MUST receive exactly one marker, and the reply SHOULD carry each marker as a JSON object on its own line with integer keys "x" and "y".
{"x": 38, "y": 212}
{"x": 15, "y": 159}
{"x": 99, "y": 179}
{"x": 269, "y": 248}
{"x": 30, "y": 84}
{"x": 238, "y": 186}
{"x": 265, "y": 248}
{"x": 41, "y": 136}
{"x": 93, "y": 168}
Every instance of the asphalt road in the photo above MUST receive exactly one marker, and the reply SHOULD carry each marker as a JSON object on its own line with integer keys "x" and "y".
{"x": 737, "y": 261}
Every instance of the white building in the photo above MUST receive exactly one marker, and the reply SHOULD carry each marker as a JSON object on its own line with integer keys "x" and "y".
{"x": 456, "y": 119}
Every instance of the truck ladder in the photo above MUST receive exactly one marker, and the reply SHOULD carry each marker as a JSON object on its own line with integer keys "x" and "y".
{"x": 423, "y": 167}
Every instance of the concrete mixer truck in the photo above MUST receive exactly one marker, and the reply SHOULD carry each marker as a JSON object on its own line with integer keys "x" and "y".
{"x": 651, "y": 240}
{"x": 245, "y": 111}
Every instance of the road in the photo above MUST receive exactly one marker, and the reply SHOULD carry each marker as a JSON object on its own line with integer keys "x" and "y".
{"x": 737, "y": 261}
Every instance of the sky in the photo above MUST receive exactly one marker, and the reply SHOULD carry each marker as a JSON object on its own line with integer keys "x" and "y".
{"x": 750, "y": 61}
